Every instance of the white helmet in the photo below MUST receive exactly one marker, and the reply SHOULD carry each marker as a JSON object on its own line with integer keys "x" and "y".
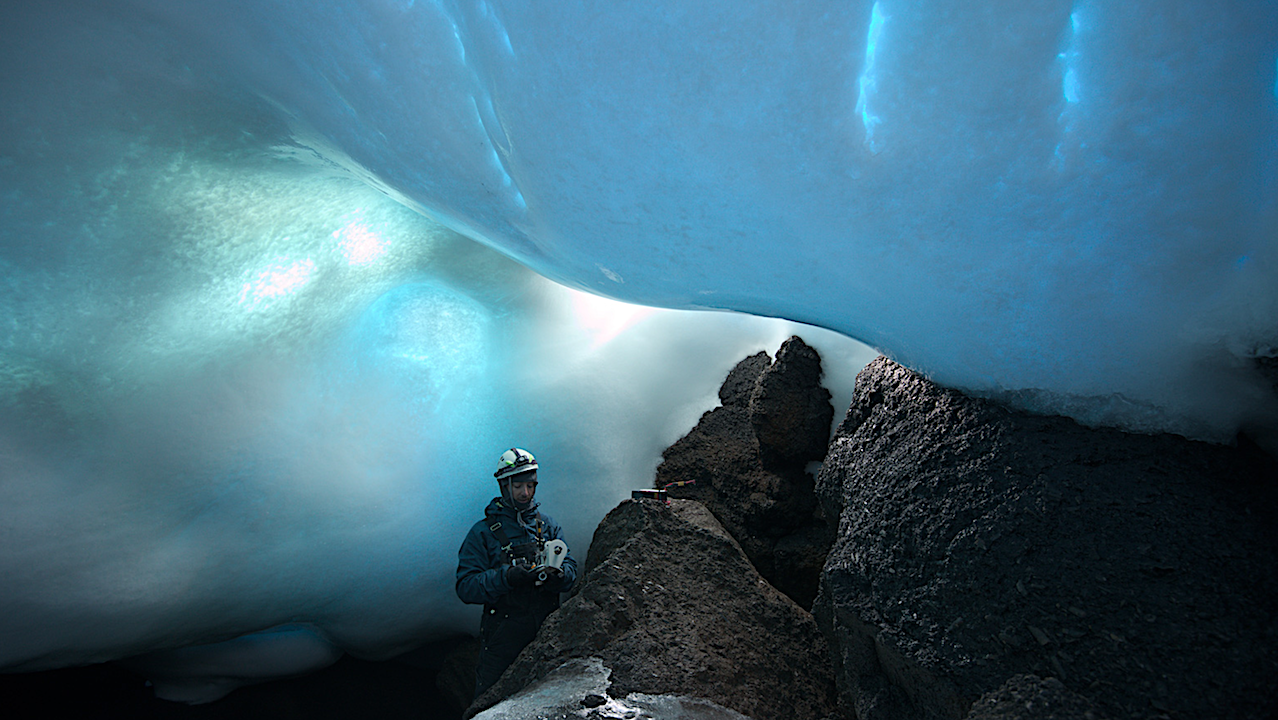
{"x": 513, "y": 462}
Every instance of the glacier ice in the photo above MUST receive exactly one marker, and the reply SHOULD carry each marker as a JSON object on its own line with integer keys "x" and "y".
{"x": 249, "y": 404}
{"x": 1067, "y": 203}
{"x": 254, "y": 361}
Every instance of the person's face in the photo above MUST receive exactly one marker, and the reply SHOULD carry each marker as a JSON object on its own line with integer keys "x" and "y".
{"x": 522, "y": 491}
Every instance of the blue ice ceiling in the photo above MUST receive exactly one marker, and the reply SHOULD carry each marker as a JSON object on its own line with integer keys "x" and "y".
{"x": 1069, "y": 199}
{"x": 257, "y": 361}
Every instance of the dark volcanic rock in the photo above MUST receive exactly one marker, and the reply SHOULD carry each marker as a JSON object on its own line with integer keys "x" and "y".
{"x": 748, "y": 457}
{"x": 977, "y": 543}
{"x": 1027, "y": 697}
{"x": 789, "y": 410}
{"x": 671, "y": 605}
{"x": 742, "y": 380}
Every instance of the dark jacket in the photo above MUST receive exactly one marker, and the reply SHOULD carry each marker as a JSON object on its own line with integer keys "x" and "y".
{"x": 481, "y": 563}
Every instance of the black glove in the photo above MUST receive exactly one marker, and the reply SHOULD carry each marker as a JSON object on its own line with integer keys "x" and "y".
{"x": 519, "y": 576}
{"x": 554, "y": 578}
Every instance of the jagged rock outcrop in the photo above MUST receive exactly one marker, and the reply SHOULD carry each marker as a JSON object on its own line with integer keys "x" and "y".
{"x": 977, "y": 543}
{"x": 670, "y": 605}
{"x": 748, "y": 459}
{"x": 789, "y": 410}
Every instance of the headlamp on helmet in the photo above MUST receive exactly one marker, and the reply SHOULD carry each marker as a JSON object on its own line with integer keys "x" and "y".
{"x": 514, "y": 462}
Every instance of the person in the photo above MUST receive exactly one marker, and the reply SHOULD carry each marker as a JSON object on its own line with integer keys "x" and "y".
{"x": 498, "y": 567}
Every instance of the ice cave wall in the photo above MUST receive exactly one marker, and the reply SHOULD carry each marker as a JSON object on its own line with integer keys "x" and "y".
{"x": 242, "y": 392}
{"x": 1067, "y": 202}
{"x": 239, "y": 386}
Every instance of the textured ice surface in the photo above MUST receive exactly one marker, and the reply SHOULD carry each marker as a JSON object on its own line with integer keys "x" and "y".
{"x": 1069, "y": 201}
{"x": 240, "y": 387}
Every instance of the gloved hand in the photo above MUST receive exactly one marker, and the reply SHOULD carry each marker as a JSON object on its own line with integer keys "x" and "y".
{"x": 554, "y": 578}
{"x": 519, "y": 576}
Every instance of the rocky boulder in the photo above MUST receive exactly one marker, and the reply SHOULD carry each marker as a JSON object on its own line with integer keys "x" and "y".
{"x": 1028, "y": 697}
{"x": 977, "y": 543}
{"x": 748, "y": 461}
{"x": 789, "y": 410}
{"x": 669, "y": 605}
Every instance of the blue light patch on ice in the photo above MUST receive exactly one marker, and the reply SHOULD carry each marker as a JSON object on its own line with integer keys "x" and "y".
{"x": 868, "y": 82}
{"x": 1069, "y": 80}
{"x": 500, "y": 29}
{"x": 505, "y": 41}
{"x": 461, "y": 46}
{"x": 505, "y": 176}
{"x": 1070, "y": 86}
{"x": 1071, "y": 91}
{"x": 427, "y": 339}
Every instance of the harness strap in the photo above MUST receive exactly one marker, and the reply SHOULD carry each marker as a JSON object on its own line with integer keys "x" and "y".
{"x": 507, "y": 545}
{"x": 502, "y": 538}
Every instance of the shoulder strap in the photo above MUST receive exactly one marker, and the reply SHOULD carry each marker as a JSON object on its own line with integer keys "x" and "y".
{"x": 502, "y": 538}
{"x": 507, "y": 545}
